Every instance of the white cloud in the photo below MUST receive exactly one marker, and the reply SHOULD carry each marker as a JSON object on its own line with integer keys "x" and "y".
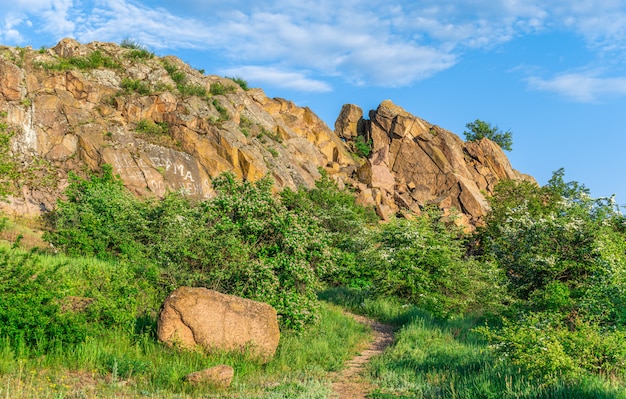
{"x": 581, "y": 86}
{"x": 57, "y": 19}
{"x": 52, "y": 18}
{"x": 113, "y": 20}
{"x": 279, "y": 78}
{"x": 395, "y": 65}
{"x": 371, "y": 42}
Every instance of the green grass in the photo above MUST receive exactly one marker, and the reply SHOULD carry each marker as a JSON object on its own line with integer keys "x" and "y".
{"x": 118, "y": 363}
{"x": 189, "y": 90}
{"x": 120, "y": 357}
{"x": 435, "y": 358}
{"x": 219, "y": 89}
{"x": 136, "y": 85}
{"x": 224, "y": 116}
{"x": 151, "y": 127}
{"x": 93, "y": 60}
{"x": 136, "y": 51}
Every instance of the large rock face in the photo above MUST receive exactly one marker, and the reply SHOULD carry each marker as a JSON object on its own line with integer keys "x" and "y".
{"x": 199, "y": 316}
{"x": 164, "y": 126}
{"x": 414, "y": 163}
{"x": 137, "y": 118}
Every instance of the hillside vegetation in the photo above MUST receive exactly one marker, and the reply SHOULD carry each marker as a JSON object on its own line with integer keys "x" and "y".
{"x": 531, "y": 305}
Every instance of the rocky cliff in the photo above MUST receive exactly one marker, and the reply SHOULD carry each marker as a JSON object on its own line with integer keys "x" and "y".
{"x": 413, "y": 163}
{"x": 165, "y": 126}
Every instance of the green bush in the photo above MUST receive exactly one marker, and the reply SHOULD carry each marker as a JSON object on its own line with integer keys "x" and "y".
{"x": 548, "y": 350}
{"x": 99, "y": 218}
{"x": 564, "y": 255}
{"x": 362, "y": 147}
{"x": 30, "y": 311}
{"x": 243, "y": 242}
{"x": 241, "y": 82}
{"x": 136, "y": 85}
{"x": 421, "y": 261}
{"x": 559, "y": 248}
{"x": 345, "y": 223}
{"x": 287, "y": 252}
{"x": 480, "y": 129}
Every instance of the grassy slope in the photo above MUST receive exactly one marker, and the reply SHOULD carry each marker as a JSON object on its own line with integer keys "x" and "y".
{"x": 431, "y": 358}
{"x": 446, "y": 359}
{"x": 118, "y": 361}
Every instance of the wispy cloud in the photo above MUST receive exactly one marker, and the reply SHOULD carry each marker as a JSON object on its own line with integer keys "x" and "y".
{"x": 367, "y": 42}
{"x": 279, "y": 78}
{"x": 581, "y": 86}
{"x": 157, "y": 28}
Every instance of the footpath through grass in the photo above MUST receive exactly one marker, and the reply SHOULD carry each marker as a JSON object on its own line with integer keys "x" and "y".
{"x": 434, "y": 358}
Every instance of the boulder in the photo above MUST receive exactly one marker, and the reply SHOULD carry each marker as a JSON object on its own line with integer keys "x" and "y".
{"x": 219, "y": 376}
{"x": 193, "y": 317}
{"x": 349, "y": 124}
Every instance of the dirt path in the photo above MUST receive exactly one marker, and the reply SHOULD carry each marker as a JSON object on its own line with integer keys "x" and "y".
{"x": 348, "y": 383}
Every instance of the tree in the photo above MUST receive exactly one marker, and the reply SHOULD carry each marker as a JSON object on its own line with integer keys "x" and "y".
{"x": 480, "y": 129}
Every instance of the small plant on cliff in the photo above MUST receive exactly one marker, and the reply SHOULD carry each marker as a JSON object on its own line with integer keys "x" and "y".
{"x": 137, "y": 51}
{"x": 8, "y": 168}
{"x": 244, "y": 125}
{"x": 93, "y": 60}
{"x": 272, "y": 135}
{"x": 188, "y": 90}
{"x": 135, "y": 85}
{"x": 363, "y": 148}
{"x": 151, "y": 127}
{"x": 241, "y": 82}
{"x": 224, "y": 116}
{"x": 219, "y": 89}
{"x": 480, "y": 129}
{"x": 184, "y": 88}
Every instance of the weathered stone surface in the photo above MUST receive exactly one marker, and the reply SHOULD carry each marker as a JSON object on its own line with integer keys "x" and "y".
{"x": 86, "y": 117}
{"x": 350, "y": 122}
{"x": 198, "y": 316}
{"x": 439, "y": 167}
{"x": 80, "y": 119}
{"x": 11, "y": 78}
{"x": 219, "y": 376}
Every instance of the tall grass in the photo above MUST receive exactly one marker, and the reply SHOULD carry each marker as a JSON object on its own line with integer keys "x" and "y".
{"x": 436, "y": 358}
{"x": 125, "y": 360}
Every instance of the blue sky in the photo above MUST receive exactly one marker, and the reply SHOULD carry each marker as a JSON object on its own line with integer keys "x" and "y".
{"x": 551, "y": 71}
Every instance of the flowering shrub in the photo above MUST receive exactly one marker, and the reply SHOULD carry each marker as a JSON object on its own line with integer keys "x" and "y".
{"x": 421, "y": 261}
{"x": 564, "y": 255}
{"x": 243, "y": 242}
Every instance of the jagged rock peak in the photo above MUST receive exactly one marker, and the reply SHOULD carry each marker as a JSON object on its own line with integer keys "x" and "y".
{"x": 414, "y": 163}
